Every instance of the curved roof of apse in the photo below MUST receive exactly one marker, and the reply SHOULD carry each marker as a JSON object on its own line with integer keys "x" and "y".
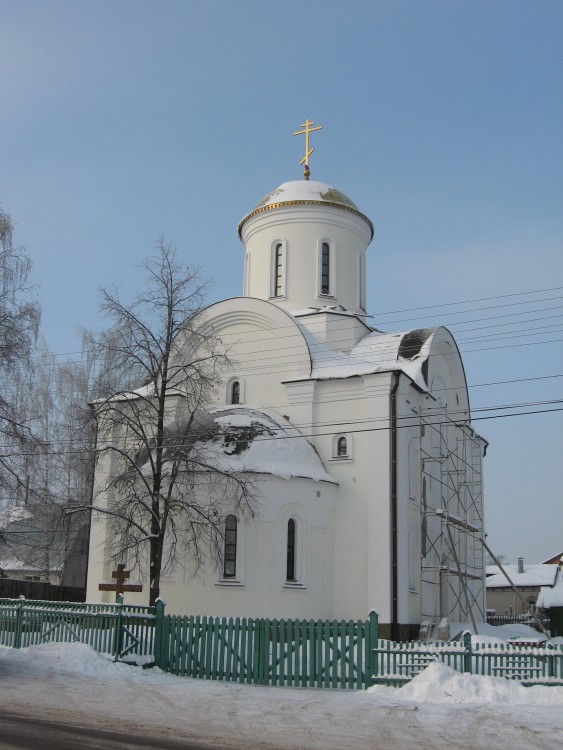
{"x": 241, "y": 439}
{"x": 263, "y": 442}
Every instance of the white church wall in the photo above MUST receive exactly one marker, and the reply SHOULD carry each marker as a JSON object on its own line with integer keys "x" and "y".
{"x": 375, "y": 460}
{"x": 335, "y": 330}
{"x": 100, "y": 562}
{"x": 265, "y": 347}
{"x": 339, "y": 408}
{"x": 408, "y": 494}
{"x": 303, "y": 229}
{"x": 260, "y": 588}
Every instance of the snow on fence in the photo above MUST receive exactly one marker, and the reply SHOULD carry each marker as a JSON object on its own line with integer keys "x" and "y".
{"x": 397, "y": 663}
{"x": 526, "y": 619}
{"x": 119, "y": 629}
{"x": 541, "y": 664}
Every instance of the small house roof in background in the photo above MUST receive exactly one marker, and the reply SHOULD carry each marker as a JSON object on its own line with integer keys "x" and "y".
{"x": 14, "y": 563}
{"x": 12, "y": 514}
{"x": 555, "y": 560}
{"x": 540, "y": 574}
{"x": 551, "y": 596}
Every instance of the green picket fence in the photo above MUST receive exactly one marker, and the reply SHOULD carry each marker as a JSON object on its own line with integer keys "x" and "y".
{"x": 542, "y": 664}
{"x": 305, "y": 653}
{"x": 300, "y": 653}
{"x": 530, "y": 664}
{"x": 117, "y": 629}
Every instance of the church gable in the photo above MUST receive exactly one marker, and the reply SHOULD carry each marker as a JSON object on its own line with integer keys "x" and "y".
{"x": 263, "y": 343}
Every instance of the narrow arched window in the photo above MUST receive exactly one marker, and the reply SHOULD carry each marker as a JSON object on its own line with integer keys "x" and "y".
{"x": 230, "y": 551}
{"x": 235, "y": 392}
{"x": 278, "y": 270}
{"x": 291, "y": 533}
{"x": 325, "y": 268}
{"x": 342, "y": 448}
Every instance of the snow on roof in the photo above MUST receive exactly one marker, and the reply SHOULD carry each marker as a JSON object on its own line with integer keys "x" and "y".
{"x": 552, "y": 596}
{"x": 14, "y": 563}
{"x": 305, "y": 192}
{"x": 270, "y": 444}
{"x": 143, "y": 392}
{"x": 407, "y": 351}
{"x": 533, "y": 575}
{"x": 332, "y": 309}
{"x": 12, "y": 515}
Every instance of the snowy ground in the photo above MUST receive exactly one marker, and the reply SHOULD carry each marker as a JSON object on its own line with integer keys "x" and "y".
{"x": 438, "y": 709}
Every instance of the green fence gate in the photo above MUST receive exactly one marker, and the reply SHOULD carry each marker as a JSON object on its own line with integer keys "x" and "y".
{"x": 306, "y": 653}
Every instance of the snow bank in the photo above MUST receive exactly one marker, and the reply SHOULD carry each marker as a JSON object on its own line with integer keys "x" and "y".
{"x": 441, "y": 684}
{"x": 67, "y": 657}
{"x": 437, "y": 684}
{"x": 498, "y": 633}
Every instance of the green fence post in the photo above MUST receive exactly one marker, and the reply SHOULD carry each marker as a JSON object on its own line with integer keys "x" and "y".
{"x": 467, "y": 660}
{"x": 371, "y": 655}
{"x": 18, "y": 627}
{"x": 264, "y": 651}
{"x": 118, "y": 634}
{"x": 158, "y": 631}
{"x": 261, "y": 644}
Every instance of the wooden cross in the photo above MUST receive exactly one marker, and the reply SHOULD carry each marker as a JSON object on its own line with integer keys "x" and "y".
{"x": 120, "y": 575}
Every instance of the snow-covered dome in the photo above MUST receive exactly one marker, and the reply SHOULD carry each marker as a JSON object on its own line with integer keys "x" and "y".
{"x": 306, "y": 192}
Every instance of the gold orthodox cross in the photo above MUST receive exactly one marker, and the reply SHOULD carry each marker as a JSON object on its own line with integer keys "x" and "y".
{"x": 308, "y": 151}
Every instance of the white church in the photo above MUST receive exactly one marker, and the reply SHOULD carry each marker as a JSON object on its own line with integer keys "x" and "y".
{"x": 370, "y": 490}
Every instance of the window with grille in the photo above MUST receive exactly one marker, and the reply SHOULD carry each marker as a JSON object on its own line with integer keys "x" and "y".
{"x": 325, "y": 268}
{"x": 278, "y": 270}
{"x": 230, "y": 550}
{"x": 291, "y": 539}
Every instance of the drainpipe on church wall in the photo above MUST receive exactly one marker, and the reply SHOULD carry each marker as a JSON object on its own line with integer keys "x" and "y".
{"x": 395, "y": 635}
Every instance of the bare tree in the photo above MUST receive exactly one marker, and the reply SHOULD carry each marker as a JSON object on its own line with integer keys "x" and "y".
{"x": 19, "y": 322}
{"x": 160, "y": 477}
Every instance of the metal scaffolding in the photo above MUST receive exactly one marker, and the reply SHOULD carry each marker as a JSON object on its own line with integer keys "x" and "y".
{"x": 452, "y": 557}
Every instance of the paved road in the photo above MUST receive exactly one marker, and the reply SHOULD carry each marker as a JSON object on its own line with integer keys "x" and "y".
{"x": 17, "y": 732}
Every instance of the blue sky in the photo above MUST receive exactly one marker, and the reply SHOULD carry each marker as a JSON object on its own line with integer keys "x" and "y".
{"x": 442, "y": 120}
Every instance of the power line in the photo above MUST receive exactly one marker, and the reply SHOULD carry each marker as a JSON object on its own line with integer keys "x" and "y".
{"x": 471, "y": 301}
{"x": 307, "y": 431}
{"x": 382, "y": 350}
{"x": 429, "y": 307}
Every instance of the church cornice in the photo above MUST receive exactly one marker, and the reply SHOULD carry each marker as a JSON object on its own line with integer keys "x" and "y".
{"x": 285, "y": 204}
